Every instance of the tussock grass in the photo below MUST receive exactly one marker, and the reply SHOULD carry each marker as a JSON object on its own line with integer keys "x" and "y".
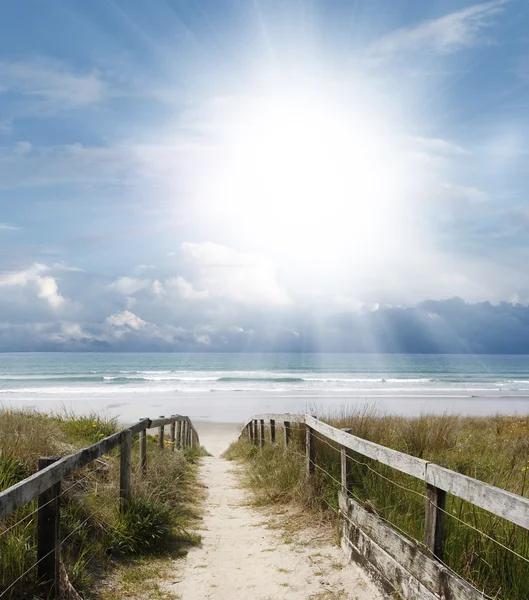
{"x": 492, "y": 449}
{"x": 100, "y": 536}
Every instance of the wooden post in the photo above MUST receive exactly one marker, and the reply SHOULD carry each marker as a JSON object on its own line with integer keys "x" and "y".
{"x": 124, "y": 469}
{"x": 143, "y": 451}
{"x": 309, "y": 451}
{"x": 48, "y": 547}
{"x": 434, "y": 525}
{"x": 272, "y": 431}
{"x": 172, "y": 437}
{"x": 254, "y": 432}
{"x": 179, "y": 434}
{"x": 161, "y": 430}
{"x": 262, "y": 436}
{"x": 346, "y": 479}
{"x": 184, "y": 434}
{"x": 288, "y": 432}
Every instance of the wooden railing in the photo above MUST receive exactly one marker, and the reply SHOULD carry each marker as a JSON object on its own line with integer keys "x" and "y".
{"x": 45, "y": 485}
{"x": 418, "y": 570}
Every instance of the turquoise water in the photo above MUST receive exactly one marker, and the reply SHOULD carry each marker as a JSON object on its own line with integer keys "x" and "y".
{"x": 112, "y": 381}
{"x": 261, "y": 371}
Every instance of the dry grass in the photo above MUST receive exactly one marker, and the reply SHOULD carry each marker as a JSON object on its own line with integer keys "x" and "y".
{"x": 493, "y": 449}
{"x": 100, "y": 536}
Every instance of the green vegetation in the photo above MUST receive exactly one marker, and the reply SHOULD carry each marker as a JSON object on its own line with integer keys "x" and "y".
{"x": 98, "y": 539}
{"x": 492, "y": 449}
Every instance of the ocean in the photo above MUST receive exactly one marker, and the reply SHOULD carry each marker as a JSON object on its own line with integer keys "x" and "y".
{"x": 231, "y": 387}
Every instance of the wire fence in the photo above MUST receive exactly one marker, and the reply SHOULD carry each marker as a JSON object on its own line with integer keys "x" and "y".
{"x": 95, "y": 479}
{"x": 493, "y": 558}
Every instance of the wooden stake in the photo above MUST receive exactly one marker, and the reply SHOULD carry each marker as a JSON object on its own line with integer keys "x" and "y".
{"x": 48, "y": 547}
{"x": 172, "y": 437}
{"x": 272, "y": 431}
{"x": 124, "y": 469}
{"x": 434, "y": 525}
{"x": 143, "y": 451}
{"x": 262, "y": 436}
{"x": 345, "y": 471}
{"x": 288, "y": 432}
{"x": 161, "y": 431}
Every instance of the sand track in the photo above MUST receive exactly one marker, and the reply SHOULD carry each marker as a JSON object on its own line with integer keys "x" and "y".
{"x": 245, "y": 555}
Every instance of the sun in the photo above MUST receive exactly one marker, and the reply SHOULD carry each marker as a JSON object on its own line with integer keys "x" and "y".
{"x": 308, "y": 174}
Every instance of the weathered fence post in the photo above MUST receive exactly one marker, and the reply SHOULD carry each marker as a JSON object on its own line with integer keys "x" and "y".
{"x": 172, "y": 437}
{"x": 179, "y": 434}
{"x": 188, "y": 432}
{"x": 272, "y": 431}
{"x": 254, "y": 429}
{"x": 434, "y": 524}
{"x": 124, "y": 469}
{"x": 161, "y": 431}
{"x": 288, "y": 432}
{"x": 48, "y": 546}
{"x": 309, "y": 450}
{"x": 143, "y": 450}
{"x": 345, "y": 471}
{"x": 262, "y": 436}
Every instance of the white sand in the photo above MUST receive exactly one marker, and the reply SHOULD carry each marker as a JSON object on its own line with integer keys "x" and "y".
{"x": 243, "y": 557}
{"x": 216, "y": 437}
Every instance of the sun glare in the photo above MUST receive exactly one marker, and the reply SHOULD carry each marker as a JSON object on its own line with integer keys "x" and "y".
{"x": 310, "y": 176}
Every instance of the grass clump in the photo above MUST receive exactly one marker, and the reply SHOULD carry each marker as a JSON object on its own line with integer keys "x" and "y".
{"x": 97, "y": 536}
{"x": 492, "y": 449}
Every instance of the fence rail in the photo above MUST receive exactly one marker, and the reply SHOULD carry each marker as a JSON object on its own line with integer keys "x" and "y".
{"x": 370, "y": 540}
{"x": 46, "y": 482}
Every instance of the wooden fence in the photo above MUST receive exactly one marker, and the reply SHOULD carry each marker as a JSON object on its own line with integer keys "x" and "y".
{"x": 45, "y": 485}
{"x": 416, "y": 571}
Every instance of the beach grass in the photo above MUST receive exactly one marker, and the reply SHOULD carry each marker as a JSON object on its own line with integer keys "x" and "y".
{"x": 99, "y": 538}
{"x": 486, "y": 550}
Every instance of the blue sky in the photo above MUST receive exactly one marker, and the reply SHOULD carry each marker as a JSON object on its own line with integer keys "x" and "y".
{"x": 175, "y": 174}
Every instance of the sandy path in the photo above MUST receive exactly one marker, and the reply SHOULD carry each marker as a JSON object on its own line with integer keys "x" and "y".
{"x": 242, "y": 557}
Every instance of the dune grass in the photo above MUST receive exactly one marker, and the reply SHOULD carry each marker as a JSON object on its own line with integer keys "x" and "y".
{"x": 99, "y": 536}
{"x": 492, "y": 449}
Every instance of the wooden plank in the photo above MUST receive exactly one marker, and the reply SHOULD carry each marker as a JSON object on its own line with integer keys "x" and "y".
{"x": 48, "y": 538}
{"x": 125, "y": 494}
{"x": 434, "y": 523}
{"x": 31, "y": 487}
{"x": 497, "y": 501}
{"x": 164, "y": 421}
{"x": 141, "y": 426}
{"x": 394, "y": 579}
{"x": 292, "y": 417}
{"x": 398, "y": 460}
{"x": 272, "y": 431}
{"x": 369, "y": 535}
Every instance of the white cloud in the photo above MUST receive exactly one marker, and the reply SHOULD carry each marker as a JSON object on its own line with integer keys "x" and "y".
{"x": 49, "y": 291}
{"x": 183, "y": 289}
{"x": 231, "y": 275}
{"x": 125, "y": 319}
{"x": 129, "y": 285}
{"x": 452, "y": 32}
{"x": 45, "y": 285}
{"x": 7, "y": 227}
{"x": 53, "y": 83}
